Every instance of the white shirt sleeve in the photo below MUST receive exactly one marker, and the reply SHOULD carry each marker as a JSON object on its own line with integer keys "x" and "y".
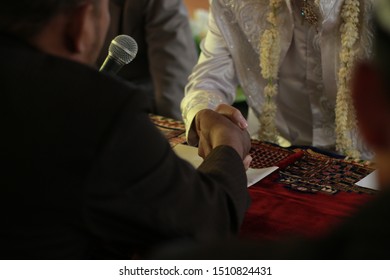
{"x": 213, "y": 80}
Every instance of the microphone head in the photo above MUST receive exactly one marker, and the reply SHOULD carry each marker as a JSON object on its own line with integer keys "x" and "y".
{"x": 123, "y": 49}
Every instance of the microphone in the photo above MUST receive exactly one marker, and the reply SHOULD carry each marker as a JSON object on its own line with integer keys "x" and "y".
{"x": 121, "y": 51}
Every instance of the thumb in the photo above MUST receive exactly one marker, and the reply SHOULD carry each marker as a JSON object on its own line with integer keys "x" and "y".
{"x": 233, "y": 114}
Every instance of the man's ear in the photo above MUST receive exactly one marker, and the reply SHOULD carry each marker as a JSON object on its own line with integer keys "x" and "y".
{"x": 78, "y": 28}
{"x": 372, "y": 105}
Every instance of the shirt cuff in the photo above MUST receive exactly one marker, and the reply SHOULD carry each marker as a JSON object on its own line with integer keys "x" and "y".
{"x": 191, "y": 135}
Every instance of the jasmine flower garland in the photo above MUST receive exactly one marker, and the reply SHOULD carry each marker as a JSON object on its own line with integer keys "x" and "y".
{"x": 269, "y": 47}
{"x": 345, "y": 112}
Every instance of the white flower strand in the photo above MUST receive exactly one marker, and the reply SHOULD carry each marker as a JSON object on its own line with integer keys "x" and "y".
{"x": 269, "y": 47}
{"x": 345, "y": 112}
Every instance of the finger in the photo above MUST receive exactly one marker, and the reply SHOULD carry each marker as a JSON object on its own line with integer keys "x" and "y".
{"x": 248, "y": 141}
{"x": 247, "y": 161}
{"x": 201, "y": 152}
{"x": 204, "y": 147}
{"x": 233, "y": 114}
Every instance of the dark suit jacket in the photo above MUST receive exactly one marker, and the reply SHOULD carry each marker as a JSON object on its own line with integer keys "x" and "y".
{"x": 87, "y": 175}
{"x": 166, "y": 49}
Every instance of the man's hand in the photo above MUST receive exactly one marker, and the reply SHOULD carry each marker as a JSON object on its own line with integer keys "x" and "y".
{"x": 215, "y": 129}
{"x": 233, "y": 114}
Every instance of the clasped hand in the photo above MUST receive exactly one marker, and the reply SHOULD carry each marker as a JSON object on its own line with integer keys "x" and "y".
{"x": 224, "y": 126}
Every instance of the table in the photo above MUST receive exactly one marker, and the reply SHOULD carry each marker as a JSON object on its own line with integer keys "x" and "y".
{"x": 308, "y": 195}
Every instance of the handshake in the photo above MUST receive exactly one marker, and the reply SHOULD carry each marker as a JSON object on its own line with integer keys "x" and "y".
{"x": 224, "y": 126}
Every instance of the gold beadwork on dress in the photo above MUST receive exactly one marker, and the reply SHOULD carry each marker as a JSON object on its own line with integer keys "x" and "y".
{"x": 308, "y": 11}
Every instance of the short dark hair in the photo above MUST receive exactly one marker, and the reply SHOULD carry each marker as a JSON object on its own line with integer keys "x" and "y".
{"x": 25, "y": 18}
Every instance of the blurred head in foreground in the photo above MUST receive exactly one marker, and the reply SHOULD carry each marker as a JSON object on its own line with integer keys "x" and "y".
{"x": 73, "y": 29}
{"x": 371, "y": 93}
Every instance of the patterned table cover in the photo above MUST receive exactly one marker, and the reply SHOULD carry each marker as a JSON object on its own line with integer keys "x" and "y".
{"x": 300, "y": 169}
